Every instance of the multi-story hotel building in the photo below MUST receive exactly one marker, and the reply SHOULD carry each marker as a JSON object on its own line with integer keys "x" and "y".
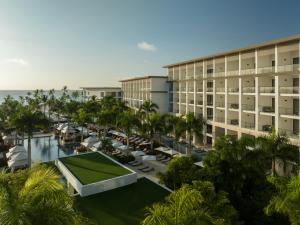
{"x": 246, "y": 91}
{"x": 101, "y": 92}
{"x": 139, "y": 89}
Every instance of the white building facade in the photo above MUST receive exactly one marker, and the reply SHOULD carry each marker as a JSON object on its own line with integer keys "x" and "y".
{"x": 140, "y": 89}
{"x": 101, "y": 92}
{"x": 246, "y": 91}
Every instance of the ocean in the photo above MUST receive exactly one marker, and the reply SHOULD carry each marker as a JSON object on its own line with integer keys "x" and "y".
{"x": 17, "y": 93}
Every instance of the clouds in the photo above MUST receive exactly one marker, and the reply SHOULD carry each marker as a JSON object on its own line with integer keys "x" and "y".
{"x": 146, "y": 46}
{"x": 16, "y": 61}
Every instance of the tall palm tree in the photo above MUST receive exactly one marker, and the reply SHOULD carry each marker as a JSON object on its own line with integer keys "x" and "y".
{"x": 277, "y": 146}
{"x": 194, "y": 125}
{"x": 81, "y": 117}
{"x": 35, "y": 196}
{"x": 287, "y": 199}
{"x": 26, "y": 120}
{"x": 148, "y": 107}
{"x": 127, "y": 121}
{"x": 153, "y": 124}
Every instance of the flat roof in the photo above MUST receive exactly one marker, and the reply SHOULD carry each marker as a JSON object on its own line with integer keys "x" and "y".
{"x": 141, "y": 78}
{"x": 93, "y": 167}
{"x": 255, "y": 46}
{"x": 100, "y": 88}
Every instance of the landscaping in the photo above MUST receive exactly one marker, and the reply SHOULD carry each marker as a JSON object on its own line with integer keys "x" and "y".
{"x": 122, "y": 206}
{"x": 93, "y": 167}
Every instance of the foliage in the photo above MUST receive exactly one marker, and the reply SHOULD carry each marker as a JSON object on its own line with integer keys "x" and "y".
{"x": 181, "y": 170}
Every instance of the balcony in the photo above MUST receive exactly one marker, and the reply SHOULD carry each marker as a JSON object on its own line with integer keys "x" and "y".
{"x": 290, "y": 133}
{"x": 220, "y": 119}
{"x": 183, "y": 89}
{"x": 191, "y": 89}
{"x": 210, "y": 116}
{"x": 233, "y": 73}
{"x": 267, "y": 109}
{"x": 200, "y": 102}
{"x": 210, "y": 103}
{"x": 247, "y": 107}
{"x": 289, "y": 90}
{"x": 248, "y": 89}
{"x": 288, "y": 68}
{"x": 220, "y": 74}
{"x": 189, "y": 77}
{"x": 191, "y": 102}
{"x": 266, "y": 128}
{"x": 220, "y": 89}
{"x": 247, "y": 71}
{"x": 289, "y": 111}
{"x": 200, "y": 89}
{"x": 233, "y": 106}
{"x": 199, "y": 76}
{"x": 267, "y": 69}
{"x": 220, "y": 104}
{"x": 234, "y": 122}
{"x": 209, "y": 89}
{"x": 233, "y": 90}
{"x": 248, "y": 125}
{"x": 267, "y": 90}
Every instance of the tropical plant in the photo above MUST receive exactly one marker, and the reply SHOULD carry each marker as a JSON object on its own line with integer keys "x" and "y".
{"x": 34, "y": 197}
{"x": 287, "y": 198}
{"x": 148, "y": 107}
{"x": 81, "y": 117}
{"x": 127, "y": 121}
{"x": 153, "y": 124}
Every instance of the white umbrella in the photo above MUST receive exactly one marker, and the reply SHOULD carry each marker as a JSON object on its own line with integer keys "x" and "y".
{"x": 97, "y": 144}
{"x": 68, "y": 129}
{"x": 161, "y": 149}
{"x": 90, "y": 141}
{"x": 199, "y": 164}
{"x": 123, "y": 147}
{"x": 171, "y": 152}
{"x": 62, "y": 126}
{"x": 148, "y": 157}
{"x": 138, "y": 153}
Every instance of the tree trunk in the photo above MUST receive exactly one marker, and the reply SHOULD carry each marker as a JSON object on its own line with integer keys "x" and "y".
{"x": 81, "y": 133}
{"x": 127, "y": 141}
{"x": 190, "y": 145}
{"x": 29, "y": 151}
{"x": 273, "y": 167}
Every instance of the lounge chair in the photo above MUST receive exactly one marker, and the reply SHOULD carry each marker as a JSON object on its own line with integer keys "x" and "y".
{"x": 148, "y": 169}
{"x": 166, "y": 160}
{"x": 161, "y": 158}
{"x": 136, "y": 164}
{"x": 143, "y": 168}
{"x": 132, "y": 162}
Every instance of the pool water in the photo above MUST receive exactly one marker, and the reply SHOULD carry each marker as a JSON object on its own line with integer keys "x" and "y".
{"x": 47, "y": 149}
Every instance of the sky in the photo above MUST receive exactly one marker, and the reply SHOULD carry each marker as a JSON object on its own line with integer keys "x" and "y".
{"x": 51, "y": 43}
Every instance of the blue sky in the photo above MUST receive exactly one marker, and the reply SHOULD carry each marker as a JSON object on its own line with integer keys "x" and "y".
{"x": 51, "y": 43}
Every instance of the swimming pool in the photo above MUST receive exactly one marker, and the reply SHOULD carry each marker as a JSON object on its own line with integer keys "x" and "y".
{"x": 45, "y": 149}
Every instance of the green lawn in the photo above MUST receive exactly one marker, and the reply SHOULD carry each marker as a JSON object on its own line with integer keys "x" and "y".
{"x": 93, "y": 167}
{"x": 122, "y": 206}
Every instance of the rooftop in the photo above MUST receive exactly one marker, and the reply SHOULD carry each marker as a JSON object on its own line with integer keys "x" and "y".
{"x": 143, "y": 77}
{"x": 93, "y": 167}
{"x": 100, "y": 88}
{"x": 245, "y": 49}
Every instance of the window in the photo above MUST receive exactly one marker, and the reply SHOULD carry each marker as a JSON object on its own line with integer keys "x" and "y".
{"x": 295, "y": 60}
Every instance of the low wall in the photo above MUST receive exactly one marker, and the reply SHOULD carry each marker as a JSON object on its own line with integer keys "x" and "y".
{"x": 97, "y": 187}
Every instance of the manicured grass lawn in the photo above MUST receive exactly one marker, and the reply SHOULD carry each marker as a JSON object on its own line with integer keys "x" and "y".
{"x": 122, "y": 206}
{"x": 93, "y": 167}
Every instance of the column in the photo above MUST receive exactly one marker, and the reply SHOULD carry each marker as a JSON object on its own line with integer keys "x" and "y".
{"x": 240, "y": 90}
{"x": 256, "y": 92}
{"x": 179, "y": 89}
{"x": 226, "y": 94}
{"x": 276, "y": 91}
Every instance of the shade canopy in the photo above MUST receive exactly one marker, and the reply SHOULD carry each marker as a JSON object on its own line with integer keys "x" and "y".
{"x": 199, "y": 164}
{"x": 161, "y": 149}
{"x": 62, "y": 126}
{"x": 116, "y": 143}
{"x": 138, "y": 153}
{"x": 148, "y": 157}
{"x": 97, "y": 144}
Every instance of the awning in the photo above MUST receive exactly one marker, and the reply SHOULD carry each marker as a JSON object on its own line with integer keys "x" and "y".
{"x": 148, "y": 157}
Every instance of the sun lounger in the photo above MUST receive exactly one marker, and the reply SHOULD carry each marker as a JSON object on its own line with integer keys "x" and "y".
{"x": 136, "y": 164}
{"x": 143, "y": 168}
{"x": 161, "y": 158}
{"x": 132, "y": 162}
{"x": 166, "y": 160}
{"x": 148, "y": 169}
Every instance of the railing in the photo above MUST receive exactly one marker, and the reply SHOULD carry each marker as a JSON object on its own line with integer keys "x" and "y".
{"x": 210, "y": 116}
{"x": 234, "y": 122}
{"x": 220, "y": 74}
{"x": 191, "y": 89}
{"x": 289, "y": 111}
{"x": 183, "y": 89}
{"x": 233, "y": 90}
{"x": 192, "y": 102}
{"x": 220, "y": 119}
{"x": 220, "y": 104}
{"x": 189, "y": 77}
{"x": 247, "y": 71}
{"x": 210, "y": 103}
{"x": 199, "y": 89}
{"x": 200, "y": 103}
{"x": 266, "y": 128}
{"x": 220, "y": 89}
{"x": 248, "y": 107}
{"x": 199, "y": 76}
{"x": 232, "y": 72}
{"x": 233, "y": 106}
{"x": 248, "y": 89}
{"x": 289, "y": 133}
{"x": 209, "y": 89}
{"x": 267, "y": 69}
{"x": 267, "y": 89}
{"x": 183, "y": 101}
{"x": 288, "y": 68}
{"x": 289, "y": 90}
{"x": 266, "y": 109}
{"x": 248, "y": 125}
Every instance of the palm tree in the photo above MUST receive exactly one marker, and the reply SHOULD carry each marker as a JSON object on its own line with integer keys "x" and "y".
{"x": 35, "y": 196}
{"x": 153, "y": 124}
{"x": 127, "y": 121}
{"x": 26, "y": 120}
{"x": 193, "y": 126}
{"x": 81, "y": 117}
{"x": 148, "y": 107}
{"x": 277, "y": 146}
{"x": 180, "y": 208}
{"x": 287, "y": 199}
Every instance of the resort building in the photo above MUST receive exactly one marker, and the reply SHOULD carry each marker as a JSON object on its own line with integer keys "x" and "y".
{"x": 139, "y": 89}
{"x": 101, "y": 92}
{"x": 246, "y": 91}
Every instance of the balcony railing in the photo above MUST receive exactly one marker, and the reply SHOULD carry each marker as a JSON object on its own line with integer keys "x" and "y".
{"x": 248, "y": 89}
{"x": 233, "y": 90}
{"x": 289, "y": 111}
{"x": 232, "y": 72}
{"x": 192, "y": 102}
{"x": 220, "y": 89}
{"x": 233, "y": 106}
{"x": 209, "y": 89}
{"x": 234, "y": 122}
{"x": 267, "y": 69}
{"x": 220, "y": 104}
{"x": 288, "y": 68}
{"x": 220, "y": 74}
{"x": 210, "y": 116}
{"x": 248, "y": 107}
{"x": 266, "y": 128}
{"x": 247, "y": 71}
{"x": 220, "y": 119}
{"x": 199, "y": 89}
{"x": 267, "y": 89}
{"x": 191, "y": 89}
{"x": 209, "y": 103}
{"x": 248, "y": 125}
{"x": 183, "y": 89}
{"x": 189, "y": 77}
{"x": 200, "y": 103}
{"x": 289, "y": 133}
{"x": 289, "y": 90}
{"x": 266, "y": 109}
{"x": 199, "y": 76}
